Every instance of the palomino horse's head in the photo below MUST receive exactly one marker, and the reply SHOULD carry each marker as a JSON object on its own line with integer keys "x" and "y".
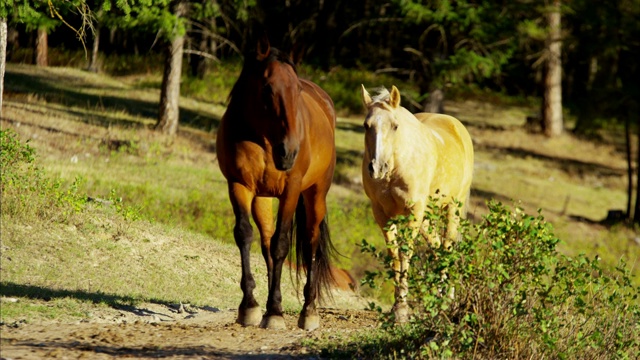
{"x": 380, "y": 126}
{"x": 276, "y": 90}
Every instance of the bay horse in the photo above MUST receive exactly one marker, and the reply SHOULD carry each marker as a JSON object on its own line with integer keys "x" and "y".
{"x": 409, "y": 158}
{"x": 277, "y": 140}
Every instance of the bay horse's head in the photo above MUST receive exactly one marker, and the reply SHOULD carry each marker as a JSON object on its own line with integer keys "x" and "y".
{"x": 276, "y": 91}
{"x": 380, "y": 126}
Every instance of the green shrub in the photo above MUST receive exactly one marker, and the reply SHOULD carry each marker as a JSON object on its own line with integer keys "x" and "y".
{"x": 216, "y": 85}
{"x": 27, "y": 192}
{"x": 515, "y": 297}
{"x": 343, "y": 85}
{"x": 16, "y": 159}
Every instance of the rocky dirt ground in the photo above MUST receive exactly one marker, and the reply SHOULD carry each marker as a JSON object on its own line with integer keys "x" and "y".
{"x": 174, "y": 332}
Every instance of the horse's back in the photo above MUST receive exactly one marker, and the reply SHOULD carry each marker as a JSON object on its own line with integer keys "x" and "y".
{"x": 321, "y": 118}
{"x": 320, "y": 97}
{"x": 448, "y": 127}
{"x": 445, "y": 125}
{"x": 457, "y": 147}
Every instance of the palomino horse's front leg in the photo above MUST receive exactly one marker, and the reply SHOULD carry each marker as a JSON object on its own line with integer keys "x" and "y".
{"x": 400, "y": 264}
{"x": 400, "y": 308}
{"x": 280, "y": 242}
{"x": 249, "y": 313}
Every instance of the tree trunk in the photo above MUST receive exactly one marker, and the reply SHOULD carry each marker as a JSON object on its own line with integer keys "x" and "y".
{"x": 169, "y": 112}
{"x": 632, "y": 113}
{"x": 627, "y": 132}
{"x": 552, "y": 112}
{"x": 93, "y": 64}
{"x": 197, "y": 62}
{"x": 435, "y": 102}
{"x": 3, "y": 56}
{"x": 42, "y": 48}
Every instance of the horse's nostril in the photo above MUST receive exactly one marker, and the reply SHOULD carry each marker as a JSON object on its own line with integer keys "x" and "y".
{"x": 371, "y": 167}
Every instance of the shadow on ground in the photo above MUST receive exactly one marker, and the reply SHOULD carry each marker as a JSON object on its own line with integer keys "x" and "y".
{"x": 60, "y": 92}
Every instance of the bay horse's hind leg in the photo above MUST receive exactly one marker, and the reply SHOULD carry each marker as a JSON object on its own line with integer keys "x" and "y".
{"x": 249, "y": 313}
{"x": 314, "y": 245}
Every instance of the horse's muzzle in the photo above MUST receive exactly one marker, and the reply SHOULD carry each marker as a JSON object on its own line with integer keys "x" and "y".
{"x": 378, "y": 169}
{"x": 284, "y": 159}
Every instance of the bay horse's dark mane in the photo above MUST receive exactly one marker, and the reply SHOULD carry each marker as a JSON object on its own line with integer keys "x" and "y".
{"x": 277, "y": 55}
{"x": 251, "y": 64}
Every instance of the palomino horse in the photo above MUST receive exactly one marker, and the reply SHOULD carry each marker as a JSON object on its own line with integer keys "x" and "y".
{"x": 407, "y": 159}
{"x": 276, "y": 140}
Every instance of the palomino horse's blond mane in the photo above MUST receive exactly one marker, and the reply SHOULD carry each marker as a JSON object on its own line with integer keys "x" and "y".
{"x": 381, "y": 95}
{"x": 381, "y": 98}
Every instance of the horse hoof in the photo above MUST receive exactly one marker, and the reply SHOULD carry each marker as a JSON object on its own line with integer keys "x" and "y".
{"x": 309, "y": 322}
{"x": 249, "y": 317}
{"x": 273, "y": 322}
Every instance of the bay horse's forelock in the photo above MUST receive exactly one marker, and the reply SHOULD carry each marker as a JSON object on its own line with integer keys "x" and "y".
{"x": 276, "y": 140}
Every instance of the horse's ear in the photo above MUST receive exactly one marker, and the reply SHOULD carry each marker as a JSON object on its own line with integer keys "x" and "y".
{"x": 366, "y": 98}
{"x": 263, "y": 48}
{"x": 394, "y": 97}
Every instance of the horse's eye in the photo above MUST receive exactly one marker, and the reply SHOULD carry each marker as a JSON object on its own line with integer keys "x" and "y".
{"x": 395, "y": 127}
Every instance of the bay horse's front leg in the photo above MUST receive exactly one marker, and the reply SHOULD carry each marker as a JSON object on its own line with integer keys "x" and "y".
{"x": 263, "y": 217}
{"x": 249, "y": 313}
{"x": 280, "y": 243}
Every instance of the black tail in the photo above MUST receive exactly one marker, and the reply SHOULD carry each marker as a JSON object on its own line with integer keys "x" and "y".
{"x": 322, "y": 280}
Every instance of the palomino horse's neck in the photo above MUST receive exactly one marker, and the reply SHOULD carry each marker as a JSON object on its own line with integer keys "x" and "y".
{"x": 419, "y": 128}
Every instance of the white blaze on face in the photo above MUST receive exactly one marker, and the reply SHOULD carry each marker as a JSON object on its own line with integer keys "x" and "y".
{"x": 378, "y": 165}
{"x": 379, "y": 142}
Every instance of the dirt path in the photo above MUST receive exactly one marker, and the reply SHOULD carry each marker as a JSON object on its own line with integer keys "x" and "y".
{"x": 157, "y": 331}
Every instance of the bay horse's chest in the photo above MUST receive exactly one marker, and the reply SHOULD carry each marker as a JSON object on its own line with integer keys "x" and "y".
{"x": 249, "y": 161}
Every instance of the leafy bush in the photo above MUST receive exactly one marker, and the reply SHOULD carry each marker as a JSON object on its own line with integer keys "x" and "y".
{"x": 513, "y": 296}
{"x": 343, "y": 85}
{"x": 26, "y": 191}
{"x": 216, "y": 85}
